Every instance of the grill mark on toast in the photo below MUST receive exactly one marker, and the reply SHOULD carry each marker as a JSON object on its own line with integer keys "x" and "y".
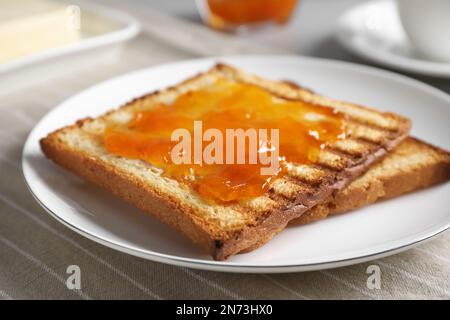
{"x": 345, "y": 154}
{"x": 311, "y": 174}
{"x": 289, "y": 188}
{"x": 352, "y": 147}
{"x": 333, "y": 161}
{"x": 358, "y": 131}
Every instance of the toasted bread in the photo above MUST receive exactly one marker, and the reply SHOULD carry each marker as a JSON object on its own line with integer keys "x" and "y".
{"x": 411, "y": 166}
{"x": 225, "y": 230}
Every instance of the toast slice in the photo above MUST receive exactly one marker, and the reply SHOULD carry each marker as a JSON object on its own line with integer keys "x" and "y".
{"x": 225, "y": 230}
{"x": 411, "y": 166}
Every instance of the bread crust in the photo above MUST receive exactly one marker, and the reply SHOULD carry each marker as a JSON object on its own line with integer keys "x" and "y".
{"x": 183, "y": 216}
{"x": 375, "y": 186}
{"x": 128, "y": 189}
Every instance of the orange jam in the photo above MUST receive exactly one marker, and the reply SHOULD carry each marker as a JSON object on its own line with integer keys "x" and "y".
{"x": 241, "y": 12}
{"x": 303, "y": 130}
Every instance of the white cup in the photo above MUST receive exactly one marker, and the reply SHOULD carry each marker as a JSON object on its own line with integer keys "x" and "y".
{"x": 427, "y": 25}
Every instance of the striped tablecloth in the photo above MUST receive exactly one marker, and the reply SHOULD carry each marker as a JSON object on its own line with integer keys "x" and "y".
{"x": 35, "y": 250}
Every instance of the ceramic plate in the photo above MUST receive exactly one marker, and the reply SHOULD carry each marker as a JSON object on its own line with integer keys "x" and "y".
{"x": 378, "y": 230}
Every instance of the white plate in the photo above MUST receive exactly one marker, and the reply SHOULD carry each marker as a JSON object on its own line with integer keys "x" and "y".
{"x": 378, "y": 230}
{"x": 100, "y": 27}
{"x": 373, "y": 31}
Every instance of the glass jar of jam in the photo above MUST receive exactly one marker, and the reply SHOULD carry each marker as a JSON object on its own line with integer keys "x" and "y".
{"x": 229, "y": 15}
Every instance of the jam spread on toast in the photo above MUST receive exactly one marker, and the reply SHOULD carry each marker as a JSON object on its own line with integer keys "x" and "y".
{"x": 304, "y": 129}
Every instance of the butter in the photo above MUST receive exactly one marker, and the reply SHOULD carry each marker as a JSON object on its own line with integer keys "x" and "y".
{"x": 32, "y": 26}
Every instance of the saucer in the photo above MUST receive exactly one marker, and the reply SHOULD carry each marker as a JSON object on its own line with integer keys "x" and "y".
{"x": 373, "y": 31}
